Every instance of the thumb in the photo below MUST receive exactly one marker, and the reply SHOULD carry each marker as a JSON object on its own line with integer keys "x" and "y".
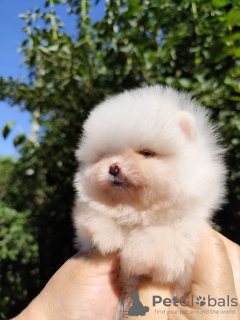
{"x": 85, "y": 287}
{"x": 212, "y": 276}
{"x": 212, "y": 271}
{"x": 94, "y": 264}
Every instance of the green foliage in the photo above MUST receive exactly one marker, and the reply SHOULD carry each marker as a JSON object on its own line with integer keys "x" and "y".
{"x": 191, "y": 45}
{"x": 14, "y": 235}
{"x": 17, "y": 244}
{"x": 6, "y": 169}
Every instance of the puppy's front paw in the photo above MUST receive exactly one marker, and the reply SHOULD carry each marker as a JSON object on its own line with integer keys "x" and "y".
{"x": 137, "y": 254}
{"x": 109, "y": 239}
{"x": 183, "y": 285}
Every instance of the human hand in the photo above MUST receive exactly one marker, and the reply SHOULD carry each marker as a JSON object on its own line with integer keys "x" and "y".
{"x": 83, "y": 288}
{"x": 88, "y": 288}
{"x": 216, "y": 273}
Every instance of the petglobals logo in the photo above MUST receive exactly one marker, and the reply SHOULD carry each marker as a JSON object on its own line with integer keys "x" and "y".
{"x": 208, "y": 305}
{"x": 186, "y": 301}
{"x": 132, "y": 306}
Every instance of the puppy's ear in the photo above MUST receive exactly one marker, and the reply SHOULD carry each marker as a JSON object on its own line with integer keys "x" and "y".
{"x": 188, "y": 124}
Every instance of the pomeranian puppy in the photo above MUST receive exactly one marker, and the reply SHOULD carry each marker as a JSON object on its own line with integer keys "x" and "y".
{"x": 151, "y": 175}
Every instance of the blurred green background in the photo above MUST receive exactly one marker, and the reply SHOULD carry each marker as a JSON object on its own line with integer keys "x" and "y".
{"x": 190, "y": 45}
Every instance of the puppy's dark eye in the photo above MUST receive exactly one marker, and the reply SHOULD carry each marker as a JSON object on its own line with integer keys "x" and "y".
{"x": 147, "y": 154}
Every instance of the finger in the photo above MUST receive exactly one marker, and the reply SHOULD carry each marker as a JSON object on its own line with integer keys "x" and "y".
{"x": 212, "y": 271}
{"x": 149, "y": 293}
{"x": 95, "y": 264}
{"x": 233, "y": 251}
{"x": 82, "y": 280}
{"x": 212, "y": 276}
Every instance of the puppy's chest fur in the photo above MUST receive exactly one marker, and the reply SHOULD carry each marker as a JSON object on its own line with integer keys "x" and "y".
{"x": 130, "y": 218}
{"x": 163, "y": 248}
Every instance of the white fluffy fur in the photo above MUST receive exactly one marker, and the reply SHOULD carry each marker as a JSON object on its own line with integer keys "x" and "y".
{"x": 155, "y": 221}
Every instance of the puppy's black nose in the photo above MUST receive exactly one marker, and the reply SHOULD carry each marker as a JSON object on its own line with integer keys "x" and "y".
{"x": 114, "y": 169}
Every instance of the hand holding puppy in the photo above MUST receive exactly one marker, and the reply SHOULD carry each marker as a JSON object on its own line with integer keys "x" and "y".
{"x": 88, "y": 287}
{"x": 216, "y": 272}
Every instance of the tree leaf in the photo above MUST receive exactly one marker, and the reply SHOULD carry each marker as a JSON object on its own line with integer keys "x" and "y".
{"x": 220, "y": 3}
{"x": 19, "y": 139}
{"x": 53, "y": 48}
{"x": 7, "y": 128}
{"x": 233, "y": 17}
{"x": 185, "y": 83}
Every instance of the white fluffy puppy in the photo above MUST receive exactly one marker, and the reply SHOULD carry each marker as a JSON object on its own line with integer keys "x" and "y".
{"x": 150, "y": 178}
